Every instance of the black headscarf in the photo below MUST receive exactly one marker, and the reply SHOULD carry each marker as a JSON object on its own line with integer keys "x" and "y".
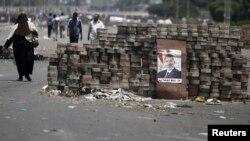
{"x": 23, "y": 26}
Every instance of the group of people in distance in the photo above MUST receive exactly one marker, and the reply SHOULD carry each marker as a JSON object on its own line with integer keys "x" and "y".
{"x": 74, "y": 27}
{"x": 23, "y": 29}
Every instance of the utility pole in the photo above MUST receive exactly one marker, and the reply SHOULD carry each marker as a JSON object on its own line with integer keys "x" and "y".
{"x": 57, "y": 6}
{"x": 28, "y": 6}
{"x": 132, "y": 6}
{"x": 227, "y": 12}
{"x": 43, "y": 6}
{"x": 188, "y": 8}
{"x": 4, "y": 5}
{"x": 177, "y": 9}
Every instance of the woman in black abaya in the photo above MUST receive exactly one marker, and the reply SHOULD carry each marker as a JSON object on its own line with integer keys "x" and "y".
{"x": 23, "y": 50}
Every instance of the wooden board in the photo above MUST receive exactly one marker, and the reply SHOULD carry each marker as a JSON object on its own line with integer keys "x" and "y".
{"x": 173, "y": 90}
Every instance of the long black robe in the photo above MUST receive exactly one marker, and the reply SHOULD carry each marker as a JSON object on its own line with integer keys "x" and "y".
{"x": 23, "y": 53}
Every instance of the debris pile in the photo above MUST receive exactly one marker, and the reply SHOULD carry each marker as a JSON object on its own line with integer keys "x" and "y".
{"x": 119, "y": 98}
{"x": 6, "y": 54}
{"x": 119, "y": 95}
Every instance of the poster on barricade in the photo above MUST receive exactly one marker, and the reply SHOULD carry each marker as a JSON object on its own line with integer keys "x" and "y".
{"x": 169, "y": 66}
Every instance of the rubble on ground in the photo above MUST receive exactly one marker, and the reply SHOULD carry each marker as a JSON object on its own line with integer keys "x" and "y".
{"x": 116, "y": 97}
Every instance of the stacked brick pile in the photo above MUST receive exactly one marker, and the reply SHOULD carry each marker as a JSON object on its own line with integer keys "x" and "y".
{"x": 114, "y": 61}
{"x": 246, "y": 36}
{"x": 128, "y": 60}
{"x": 216, "y": 67}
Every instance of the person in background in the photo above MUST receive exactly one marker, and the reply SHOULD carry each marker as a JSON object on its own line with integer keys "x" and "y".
{"x": 20, "y": 36}
{"x": 49, "y": 24}
{"x": 63, "y": 23}
{"x": 55, "y": 27}
{"x": 171, "y": 71}
{"x": 75, "y": 29}
{"x": 93, "y": 26}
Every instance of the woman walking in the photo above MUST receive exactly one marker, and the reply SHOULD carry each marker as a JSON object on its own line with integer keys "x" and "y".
{"x": 20, "y": 36}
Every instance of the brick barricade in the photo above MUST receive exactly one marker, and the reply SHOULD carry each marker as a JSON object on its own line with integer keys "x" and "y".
{"x": 128, "y": 60}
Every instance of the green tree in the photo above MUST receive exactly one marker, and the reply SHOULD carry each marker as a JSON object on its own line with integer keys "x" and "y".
{"x": 201, "y": 3}
{"x": 239, "y": 10}
{"x": 245, "y": 10}
{"x": 217, "y": 10}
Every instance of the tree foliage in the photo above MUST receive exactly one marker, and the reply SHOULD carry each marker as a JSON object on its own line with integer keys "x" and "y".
{"x": 201, "y": 3}
{"x": 239, "y": 10}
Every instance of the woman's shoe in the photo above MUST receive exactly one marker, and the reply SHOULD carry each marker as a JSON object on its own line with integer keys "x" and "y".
{"x": 28, "y": 77}
{"x": 20, "y": 78}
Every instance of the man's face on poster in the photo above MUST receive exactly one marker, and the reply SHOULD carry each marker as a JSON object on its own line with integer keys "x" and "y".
{"x": 169, "y": 62}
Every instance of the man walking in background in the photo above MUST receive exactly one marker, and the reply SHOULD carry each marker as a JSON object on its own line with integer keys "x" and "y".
{"x": 93, "y": 26}
{"x": 63, "y": 23}
{"x": 75, "y": 29}
{"x": 50, "y": 24}
{"x": 55, "y": 27}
